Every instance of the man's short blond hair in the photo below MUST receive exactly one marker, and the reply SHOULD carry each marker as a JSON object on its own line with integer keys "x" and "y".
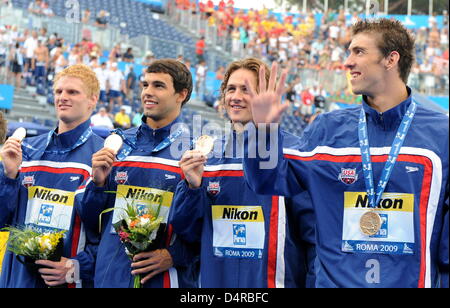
{"x": 3, "y": 128}
{"x": 85, "y": 74}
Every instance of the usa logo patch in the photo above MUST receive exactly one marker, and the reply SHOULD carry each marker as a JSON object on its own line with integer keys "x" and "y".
{"x": 28, "y": 181}
{"x": 121, "y": 177}
{"x": 348, "y": 176}
{"x": 213, "y": 188}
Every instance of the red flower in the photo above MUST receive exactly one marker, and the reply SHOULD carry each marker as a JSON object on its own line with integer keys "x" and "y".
{"x": 123, "y": 236}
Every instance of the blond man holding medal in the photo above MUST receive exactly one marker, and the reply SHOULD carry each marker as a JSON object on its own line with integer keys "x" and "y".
{"x": 42, "y": 181}
{"x": 247, "y": 240}
{"x": 377, "y": 173}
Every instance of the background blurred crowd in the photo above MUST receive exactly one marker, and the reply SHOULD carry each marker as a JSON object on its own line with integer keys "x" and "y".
{"x": 32, "y": 56}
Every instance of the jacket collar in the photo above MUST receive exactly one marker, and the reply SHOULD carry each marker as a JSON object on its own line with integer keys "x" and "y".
{"x": 158, "y": 134}
{"x": 391, "y": 118}
{"x": 68, "y": 139}
{"x": 233, "y": 144}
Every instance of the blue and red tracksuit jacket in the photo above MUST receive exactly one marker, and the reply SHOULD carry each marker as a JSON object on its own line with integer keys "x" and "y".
{"x": 44, "y": 196}
{"x": 142, "y": 176}
{"x": 247, "y": 240}
{"x": 411, "y": 248}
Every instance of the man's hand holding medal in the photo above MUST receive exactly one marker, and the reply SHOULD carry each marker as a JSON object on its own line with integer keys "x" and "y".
{"x": 192, "y": 162}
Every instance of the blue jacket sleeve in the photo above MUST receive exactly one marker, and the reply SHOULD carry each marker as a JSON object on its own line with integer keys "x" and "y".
{"x": 184, "y": 253}
{"x": 95, "y": 201}
{"x": 302, "y": 222}
{"x": 444, "y": 251}
{"x": 86, "y": 259}
{"x": 186, "y": 212}
{"x": 9, "y": 194}
{"x": 262, "y": 166}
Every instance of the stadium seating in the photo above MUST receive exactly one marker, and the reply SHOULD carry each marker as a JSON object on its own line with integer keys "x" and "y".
{"x": 138, "y": 19}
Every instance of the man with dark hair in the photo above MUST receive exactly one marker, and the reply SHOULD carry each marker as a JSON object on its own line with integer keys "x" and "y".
{"x": 144, "y": 164}
{"x": 181, "y": 76}
{"x": 391, "y": 37}
{"x": 377, "y": 173}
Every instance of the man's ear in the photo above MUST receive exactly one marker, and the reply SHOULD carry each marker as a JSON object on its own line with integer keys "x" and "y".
{"x": 392, "y": 60}
{"x": 182, "y": 96}
{"x": 93, "y": 102}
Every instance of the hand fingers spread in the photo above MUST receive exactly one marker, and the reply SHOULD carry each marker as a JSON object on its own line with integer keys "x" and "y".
{"x": 273, "y": 76}
{"x": 262, "y": 79}
{"x": 250, "y": 89}
{"x": 282, "y": 83}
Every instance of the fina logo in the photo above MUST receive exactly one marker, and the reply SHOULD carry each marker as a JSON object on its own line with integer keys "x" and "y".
{"x": 45, "y": 214}
{"x": 239, "y": 234}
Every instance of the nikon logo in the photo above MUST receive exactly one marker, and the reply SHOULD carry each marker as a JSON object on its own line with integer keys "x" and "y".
{"x": 47, "y": 195}
{"x": 236, "y": 214}
{"x": 140, "y": 194}
{"x": 396, "y": 204}
{"x": 391, "y": 201}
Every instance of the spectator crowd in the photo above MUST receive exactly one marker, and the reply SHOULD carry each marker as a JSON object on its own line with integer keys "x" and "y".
{"x": 33, "y": 56}
{"x": 299, "y": 43}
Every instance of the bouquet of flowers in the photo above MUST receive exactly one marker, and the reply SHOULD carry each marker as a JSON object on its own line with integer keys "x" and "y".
{"x": 140, "y": 229}
{"x": 32, "y": 245}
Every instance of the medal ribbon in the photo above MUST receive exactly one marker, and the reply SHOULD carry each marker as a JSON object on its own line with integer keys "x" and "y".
{"x": 374, "y": 199}
{"x": 83, "y": 138}
{"x": 130, "y": 143}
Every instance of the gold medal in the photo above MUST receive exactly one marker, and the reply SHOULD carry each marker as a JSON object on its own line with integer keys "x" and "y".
{"x": 370, "y": 223}
{"x": 204, "y": 144}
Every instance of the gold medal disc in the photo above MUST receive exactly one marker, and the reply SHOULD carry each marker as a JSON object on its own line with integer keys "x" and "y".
{"x": 370, "y": 223}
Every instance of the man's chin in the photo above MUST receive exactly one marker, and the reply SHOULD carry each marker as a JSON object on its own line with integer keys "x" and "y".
{"x": 152, "y": 115}
{"x": 357, "y": 90}
{"x": 240, "y": 120}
